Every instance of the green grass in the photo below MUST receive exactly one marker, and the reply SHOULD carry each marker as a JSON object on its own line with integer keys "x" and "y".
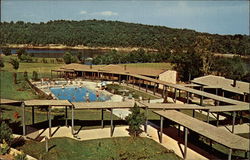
{"x": 9, "y": 90}
{"x": 135, "y": 93}
{"x": 42, "y": 68}
{"x": 41, "y": 116}
{"x": 123, "y": 148}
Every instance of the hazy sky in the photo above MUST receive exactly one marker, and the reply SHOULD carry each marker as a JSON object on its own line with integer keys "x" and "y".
{"x": 222, "y": 17}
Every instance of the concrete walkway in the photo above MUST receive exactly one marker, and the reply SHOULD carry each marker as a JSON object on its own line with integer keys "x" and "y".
{"x": 240, "y": 128}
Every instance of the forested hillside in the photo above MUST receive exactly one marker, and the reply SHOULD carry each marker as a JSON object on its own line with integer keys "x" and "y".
{"x": 117, "y": 34}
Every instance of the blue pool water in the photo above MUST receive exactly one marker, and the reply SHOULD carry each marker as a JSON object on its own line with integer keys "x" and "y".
{"x": 75, "y": 94}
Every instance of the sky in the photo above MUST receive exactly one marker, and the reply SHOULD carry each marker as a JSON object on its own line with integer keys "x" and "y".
{"x": 220, "y": 17}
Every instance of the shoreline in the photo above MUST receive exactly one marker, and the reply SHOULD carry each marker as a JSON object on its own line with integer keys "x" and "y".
{"x": 78, "y": 47}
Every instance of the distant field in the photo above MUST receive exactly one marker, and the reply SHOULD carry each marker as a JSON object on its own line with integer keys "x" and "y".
{"x": 122, "y": 148}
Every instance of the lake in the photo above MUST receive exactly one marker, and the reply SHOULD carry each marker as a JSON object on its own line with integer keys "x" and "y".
{"x": 58, "y": 53}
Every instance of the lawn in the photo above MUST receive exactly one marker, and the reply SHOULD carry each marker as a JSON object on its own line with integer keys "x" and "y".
{"x": 9, "y": 90}
{"x": 122, "y": 148}
{"x": 82, "y": 117}
{"x": 135, "y": 93}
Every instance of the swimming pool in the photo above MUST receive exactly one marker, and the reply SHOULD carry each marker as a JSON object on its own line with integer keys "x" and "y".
{"x": 76, "y": 94}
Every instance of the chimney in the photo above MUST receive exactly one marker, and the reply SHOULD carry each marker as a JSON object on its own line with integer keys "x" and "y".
{"x": 234, "y": 83}
{"x": 125, "y": 67}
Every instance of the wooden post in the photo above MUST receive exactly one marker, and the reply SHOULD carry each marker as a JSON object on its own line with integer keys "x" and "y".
{"x": 119, "y": 79}
{"x": 186, "y": 139}
{"x": 66, "y": 116}
{"x": 154, "y": 88}
{"x": 201, "y": 97}
{"x": 146, "y": 121}
{"x": 146, "y": 87}
{"x": 230, "y": 154}
{"x": 46, "y": 144}
{"x": 33, "y": 115}
{"x": 139, "y": 85}
{"x": 208, "y": 112}
{"x": 24, "y": 127}
{"x": 72, "y": 120}
{"x": 217, "y": 119}
{"x": 175, "y": 90}
{"x": 49, "y": 121}
{"x": 193, "y": 112}
{"x": 241, "y": 117}
{"x": 111, "y": 122}
{"x": 223, "y": 93}
{"x": 187, "y": 97}
{"x": 234, "y": 115}
{"x": 161, "y": 129}
{"x": 102, "y": 119}
{"x": 127, "y": 79}
{"x": 179, "y": 130}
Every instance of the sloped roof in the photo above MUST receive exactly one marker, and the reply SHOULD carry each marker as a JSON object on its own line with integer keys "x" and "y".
{"x": 224, "y": 83}
{"x": 115, "y": 68}
{"x": 207, "y": 130}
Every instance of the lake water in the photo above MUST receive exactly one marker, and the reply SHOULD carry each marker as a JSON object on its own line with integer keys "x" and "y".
{"x": 76, "y": 94}
{"x": 58, "y": 53}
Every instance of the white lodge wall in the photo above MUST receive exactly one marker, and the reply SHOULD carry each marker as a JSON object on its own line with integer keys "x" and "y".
{"x": 169, "y": 76}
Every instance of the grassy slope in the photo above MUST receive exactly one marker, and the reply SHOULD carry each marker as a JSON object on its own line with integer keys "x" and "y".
{"x": 9, "y": 90}
{"x": 106, "y": 149}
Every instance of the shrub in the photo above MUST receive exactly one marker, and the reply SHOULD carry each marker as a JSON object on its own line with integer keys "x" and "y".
{"x": 21, "y": 156}
{"x": 1, "y": 63}
{"x": 5, "y": 133}
{"x": 135, "y": 119}
{"x": 25, "y": 75}
{"x": 14, "y": 63}
{"x": 35, "y": 76}
{"x": 4, "y": 148}
{"x": 6, "y": 51}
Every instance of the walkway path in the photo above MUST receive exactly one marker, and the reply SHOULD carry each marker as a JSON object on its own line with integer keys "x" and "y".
{"x": 240, "y": 128}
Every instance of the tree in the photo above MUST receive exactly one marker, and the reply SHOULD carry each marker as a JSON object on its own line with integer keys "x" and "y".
{"x": 6, "y": 51}
{"x": 20, "y": 52}
{"x": 69, "y": 58}
{"x": 1, "y": 62}
{"x": 187, "y": 64}
{"x": 14, "y": 63}
{"x": 5, "y": 132}
{"x": 135, "y": 119}
{"x": 35, "y": 76}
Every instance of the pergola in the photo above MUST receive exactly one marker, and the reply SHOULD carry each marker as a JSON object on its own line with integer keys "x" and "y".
{"x": 101, "y": 106}
{"x": 229, "y": 108}
{"x": 221, "y": 136}
{"x": 44, "y": 103}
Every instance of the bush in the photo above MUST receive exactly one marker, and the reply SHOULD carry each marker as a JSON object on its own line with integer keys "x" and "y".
{"x": 21, "y": 156}
{"x": 1, "y": 63}
{"x": 4, "y": 148}
{"x": 69, "y": 58}
{"x": 14, "y": 63}
{"x": 35, "y": 76}
{"x": 6, "y": 51}
{"x": 26, "y": 58}
{"x": 25, "y": 75}
{"x": 135, "y": 119}
{"x": 5, "y": 133}
{"x": 21, "y": 52}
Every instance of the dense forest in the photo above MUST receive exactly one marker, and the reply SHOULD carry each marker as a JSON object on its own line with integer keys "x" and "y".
{"x": 102, "y": 33}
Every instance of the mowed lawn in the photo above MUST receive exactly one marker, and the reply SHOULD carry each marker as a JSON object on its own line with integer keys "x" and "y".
{"x": 122, "y": 148}
{"x": 9, "y": 90}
